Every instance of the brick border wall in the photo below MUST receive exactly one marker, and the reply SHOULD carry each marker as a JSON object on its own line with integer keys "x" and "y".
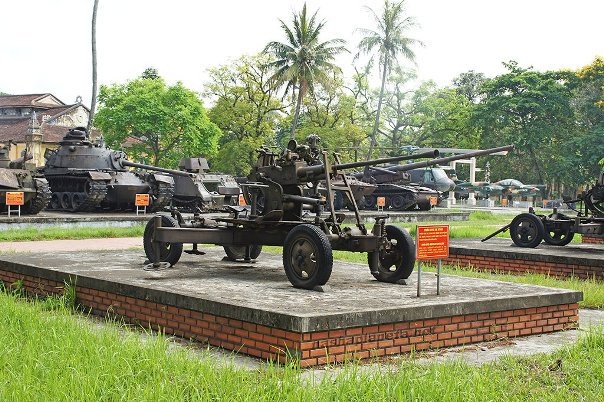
{"x": 592, "y": 239}
{"x": 521, "y": 266}
{"x": 313, "y": 348}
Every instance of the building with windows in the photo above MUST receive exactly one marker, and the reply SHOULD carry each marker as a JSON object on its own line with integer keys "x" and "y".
{"x": 37, "y": 122}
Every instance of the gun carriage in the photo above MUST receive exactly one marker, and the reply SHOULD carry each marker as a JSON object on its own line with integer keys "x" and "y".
{"x": 529, "y": 229}
{"x": 290, "y": 216}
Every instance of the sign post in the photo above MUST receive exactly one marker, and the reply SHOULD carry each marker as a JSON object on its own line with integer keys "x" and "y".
{"x": 15, "y": 198}
{"x": 381, "y": 203}
{"x": 142, "y": 202}
{"x": 432, "y": 244}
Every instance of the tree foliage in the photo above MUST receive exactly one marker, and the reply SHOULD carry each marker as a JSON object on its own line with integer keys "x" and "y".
{"x": 158, "y": 124}
{"x": 303, "y": 61}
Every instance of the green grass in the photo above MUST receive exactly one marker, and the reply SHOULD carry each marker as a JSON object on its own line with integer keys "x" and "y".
{"x": 37, "y": 234}
{"x": 56, "y": 355}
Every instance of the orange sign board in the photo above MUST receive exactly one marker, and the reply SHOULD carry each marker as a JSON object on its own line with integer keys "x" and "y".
{"x": 15, "y": 198}
{"x": 381, "y": 201}
{"x": 433, "y": 201}
{"x": 432, "y": 242}
{"x": 242, "y": 200}
{"x": 142, "y": 200}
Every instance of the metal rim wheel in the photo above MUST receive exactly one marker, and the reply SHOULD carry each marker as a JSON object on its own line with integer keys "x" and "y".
{"x": 55, "y": 203}
{"x": 66, "y": 201}
{"x": 307, "y": 257}
{"x": 560, "y": 235}
{"x": 396, "y": 258}
{"x": 397, "y": 202}
{"x": 169, "y": 252}
{"x": 370, "y": 201}
{"x": 77, "y": 199}
{"x": 527, "y": 230}
{"x": 235, "y": 253}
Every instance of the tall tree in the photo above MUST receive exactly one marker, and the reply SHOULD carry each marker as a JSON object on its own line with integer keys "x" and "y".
{"x": 387, "y": 41}
{"x": 94, "y": 75}
{"x": 303, "y": 60}
{"x": 159, "y": 124}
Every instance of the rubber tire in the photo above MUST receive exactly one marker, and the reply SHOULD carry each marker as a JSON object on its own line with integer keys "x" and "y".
{"x": 403, "y": 255}
{"x": 558, "y": 237}
{"x": 171, "y": 252}
{"x": 307, "y": 236}
{"x": 397, "y": 202}
{"x": 237, "y": 253}
{"x": 527, "y": 230}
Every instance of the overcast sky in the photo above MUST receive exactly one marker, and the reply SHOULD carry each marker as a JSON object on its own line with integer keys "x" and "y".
{"x": 45, "y": 44}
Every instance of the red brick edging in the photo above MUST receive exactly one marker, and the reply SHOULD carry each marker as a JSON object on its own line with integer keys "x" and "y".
{"x": 313, "y": 348}
{"x": 592, "y": 239}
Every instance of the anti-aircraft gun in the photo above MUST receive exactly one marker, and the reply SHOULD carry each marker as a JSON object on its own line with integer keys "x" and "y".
{"x": 14, "y": 177}
{"x": 203, "y": 190}
{"x": 289, "y": 218}
{"x": 85, "y": 175}
{"x": 529, "y": 229}
{"x": 393, "y": 182}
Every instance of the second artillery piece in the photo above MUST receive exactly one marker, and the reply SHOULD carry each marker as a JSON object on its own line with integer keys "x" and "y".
{"x": 292, "y": 218}
{"x": 394, "y": 181}
{"x": 84, "y": 176}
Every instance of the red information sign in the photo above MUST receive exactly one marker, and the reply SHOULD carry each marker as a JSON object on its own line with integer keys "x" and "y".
{"x": 242, "y": 200}
{"x": 432, "y": 242}
{"x": 15, "y": 198}
{"x": 142, "y": 200}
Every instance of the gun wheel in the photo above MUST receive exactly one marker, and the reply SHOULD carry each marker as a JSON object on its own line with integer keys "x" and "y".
{"x": 559, "y": 234}
{"x": 235, "y": 253}
{"x": 527, "y": 230}
{"x": 168, "y": 252}
{"x": 307, "y": 257}
{"x": 395, "y": 259}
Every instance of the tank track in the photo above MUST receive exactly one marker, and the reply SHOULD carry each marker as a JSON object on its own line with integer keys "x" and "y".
{"x": 188, "y": 206}
{"x": 161, "y": 195}
{"x": 90, "y": 199}
{"x": 39, "y": 202}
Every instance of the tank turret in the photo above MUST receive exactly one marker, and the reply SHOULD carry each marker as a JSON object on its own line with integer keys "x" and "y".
{"x": 13, "y": 178}
{"x": 85, "y": 176}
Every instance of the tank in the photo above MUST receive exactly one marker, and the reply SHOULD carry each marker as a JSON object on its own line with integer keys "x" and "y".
{"x": 14, "y": 177}
{"x": 87, "y": 176}
{"x": 202, "y": 190}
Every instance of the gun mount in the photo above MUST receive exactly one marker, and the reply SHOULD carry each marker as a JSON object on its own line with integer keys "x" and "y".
{"x": 84, "y": 176}
{"x": 394, "y": 182}
{"x": 557, "y": 229}
{"x": 13, "y": 177}
{"x": 287, "y": 217}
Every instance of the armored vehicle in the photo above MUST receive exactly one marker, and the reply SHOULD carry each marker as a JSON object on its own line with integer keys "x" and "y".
{"x": 202, "y": 190}
{"x": 290, "y": 218}
{"x": 14, "y": 177}
{"x": 85, "y": 176}
{"x": 394, "y": 182}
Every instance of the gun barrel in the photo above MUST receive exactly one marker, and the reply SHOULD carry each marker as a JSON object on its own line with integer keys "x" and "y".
{"x": 156, "y": 168}
{"x": 437, "y": 161}
{"x": 320, "y": 169}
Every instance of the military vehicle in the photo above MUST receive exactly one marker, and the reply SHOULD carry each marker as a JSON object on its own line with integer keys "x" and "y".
{"x": 557, "y": 229}
{"x": 394, "y": 182}
{"x": 87, "y": 176}
{"x": 15, "y": 178}
{"x": 202, "y": 190}
{"x": 290, "y": 219}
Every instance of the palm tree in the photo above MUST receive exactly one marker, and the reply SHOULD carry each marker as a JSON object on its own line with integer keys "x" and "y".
{"x": 94, "y": 78}
{"x": 388, "y": 42}
{"x": 303, "y": 61}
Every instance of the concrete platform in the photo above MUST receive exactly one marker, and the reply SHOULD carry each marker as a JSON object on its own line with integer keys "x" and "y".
{"x": 580, "y": 260}
{"x": 100, "y": 219}
{"x": 252, "y": 308}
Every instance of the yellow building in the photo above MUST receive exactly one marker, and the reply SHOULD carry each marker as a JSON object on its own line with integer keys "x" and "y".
{"x": 38, "y": 121}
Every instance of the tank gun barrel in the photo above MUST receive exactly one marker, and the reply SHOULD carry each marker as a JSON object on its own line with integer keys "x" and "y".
{"x": 432, "y": 162}
{"x": 320, "y": 169}
{"x": 156, "y": 168}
